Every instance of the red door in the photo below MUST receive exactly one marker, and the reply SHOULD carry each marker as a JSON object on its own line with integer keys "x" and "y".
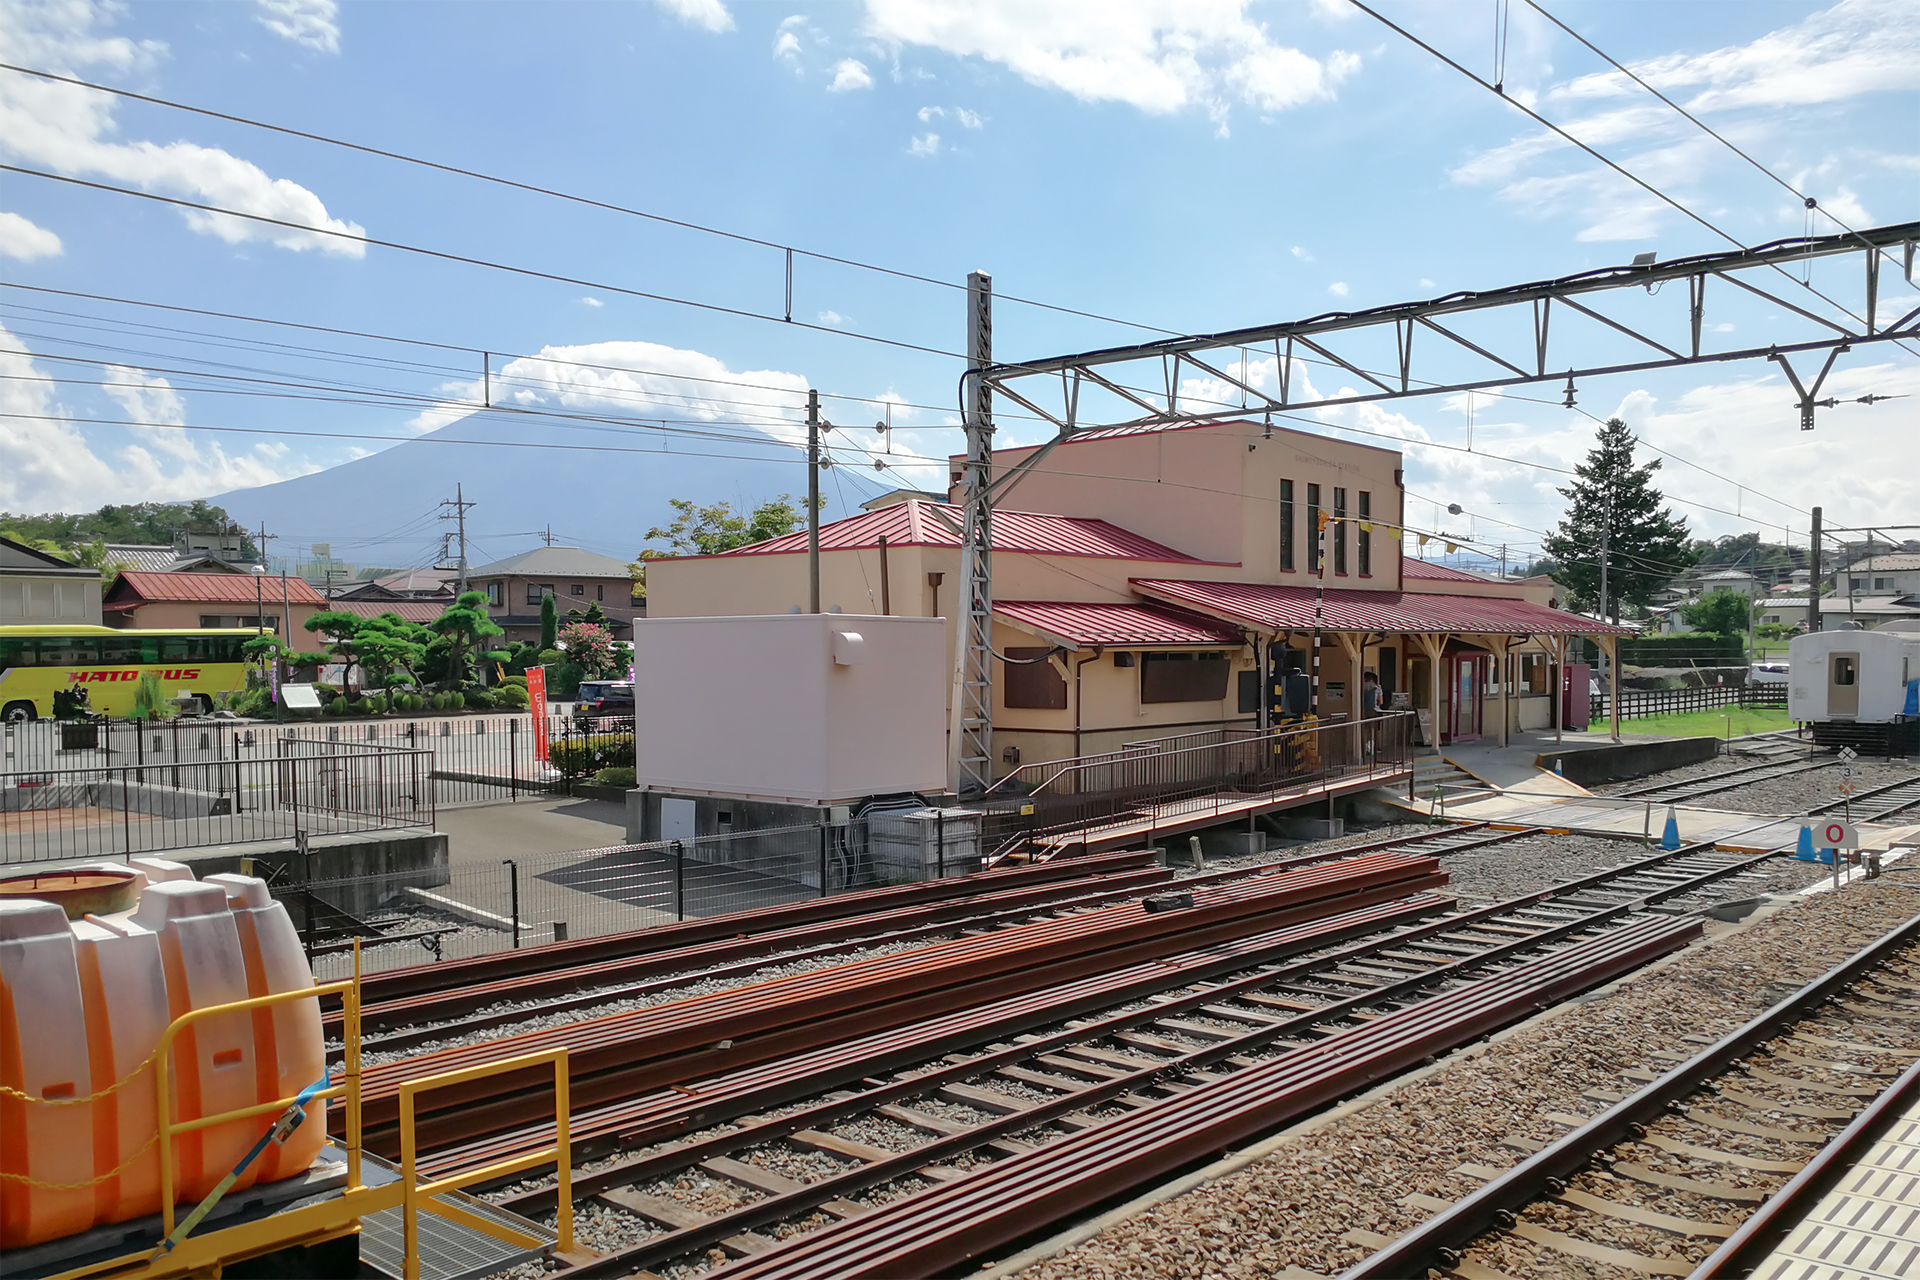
{"x": 1466, "y": 695}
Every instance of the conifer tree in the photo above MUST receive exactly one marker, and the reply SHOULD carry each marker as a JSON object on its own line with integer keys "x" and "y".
{"x": 1646, "y": 544}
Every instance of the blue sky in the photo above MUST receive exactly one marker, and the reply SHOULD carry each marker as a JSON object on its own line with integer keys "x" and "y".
{"x": 1187, "y": 164}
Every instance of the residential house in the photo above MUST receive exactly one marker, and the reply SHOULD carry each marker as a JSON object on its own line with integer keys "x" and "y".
{"x": 576, "y": 578}
{"x": 36, "y": 588}
{"x": 893, "y": 497}
{"x": 1156, "y": 582}
{"x": 1782, "y": 610}
{"x": 1837, "y": 612}
{"x": 1881, "y": 575}
{"x": 156, "y": 601}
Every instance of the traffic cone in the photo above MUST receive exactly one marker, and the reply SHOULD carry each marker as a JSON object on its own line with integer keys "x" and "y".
{"x": 1670, "y": 838}
{"x": 1803, "y": 851}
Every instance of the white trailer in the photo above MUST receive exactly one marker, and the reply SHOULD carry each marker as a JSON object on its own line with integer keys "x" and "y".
{"x": 1856, "y": 687}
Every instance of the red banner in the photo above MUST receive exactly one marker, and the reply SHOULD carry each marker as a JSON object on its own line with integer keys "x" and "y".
{"x": 537, "y": 700}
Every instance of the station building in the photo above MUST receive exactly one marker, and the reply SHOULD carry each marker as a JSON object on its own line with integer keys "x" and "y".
{"x": 1152, "y": 582}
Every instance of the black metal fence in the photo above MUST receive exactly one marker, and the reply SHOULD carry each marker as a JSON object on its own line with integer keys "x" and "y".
{"x": 1065, "y": 802}
{"x": 192, "y": 790}
{"x": 408, "y": 917}
{"x": 1635, "y": 703}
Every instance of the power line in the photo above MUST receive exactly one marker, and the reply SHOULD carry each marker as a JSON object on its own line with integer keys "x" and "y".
{"x": 1618, "y": 168}
{"x": 444, "y": 256}
{"x": 567, "y": 196}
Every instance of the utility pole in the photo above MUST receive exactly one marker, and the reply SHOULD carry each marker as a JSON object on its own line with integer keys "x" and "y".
{"x": 1813, "y": 579}
{"x": 547, "y": 537}
{"x": 259, "y": 624}
{"x": 459, "y": 515}
{"x": 971, "y": 735}
{"x": 813, "y": 501}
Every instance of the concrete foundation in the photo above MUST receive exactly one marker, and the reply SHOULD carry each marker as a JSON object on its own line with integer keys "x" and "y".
{"x": 717, "y": 816}
{"x": 1300, "y": 828}
{"x": 1617, "y": 762}
{"x": 357, "y": 872}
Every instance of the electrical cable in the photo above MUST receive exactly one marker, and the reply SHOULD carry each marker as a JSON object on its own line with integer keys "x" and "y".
{"x": 1620, "y": 169}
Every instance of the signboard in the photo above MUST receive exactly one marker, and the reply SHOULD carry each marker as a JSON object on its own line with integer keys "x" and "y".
{"x": 299, "y": 697}
{"x": 1835, "y": 834}
{"x": 1426, "y": 725}
{"x": 537, "y": 700}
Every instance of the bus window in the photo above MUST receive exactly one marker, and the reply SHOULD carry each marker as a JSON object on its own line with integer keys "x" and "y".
{"x": 69, "y": 651}
{"x": 179, "y": 649}
{"x": 16, "y": 651}
{"x": 129, "y": 650}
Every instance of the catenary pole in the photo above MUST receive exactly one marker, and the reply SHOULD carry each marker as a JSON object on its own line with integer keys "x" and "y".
{"x": 813, "y": 501}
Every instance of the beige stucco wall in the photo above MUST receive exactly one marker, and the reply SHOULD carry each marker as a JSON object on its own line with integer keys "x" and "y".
{"x": 1214, "y": 492}
{"x": 29, "y": 599}
{"x": 170, "y": 615}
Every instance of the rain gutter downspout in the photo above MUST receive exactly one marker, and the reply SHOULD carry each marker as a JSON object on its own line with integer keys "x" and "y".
{"x": 1098, "y": 651}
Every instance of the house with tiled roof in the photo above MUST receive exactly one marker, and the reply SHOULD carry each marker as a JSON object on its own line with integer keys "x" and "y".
{"x": 145, "y": 601}
{"x": 1155, "y": 582}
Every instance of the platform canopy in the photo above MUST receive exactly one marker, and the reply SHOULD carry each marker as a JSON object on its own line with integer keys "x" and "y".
{"x": 1274, "y": 609}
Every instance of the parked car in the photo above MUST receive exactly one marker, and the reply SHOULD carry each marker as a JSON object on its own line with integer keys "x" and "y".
{"x": 1768, "y": 673}
{"x": 600, "y": 698}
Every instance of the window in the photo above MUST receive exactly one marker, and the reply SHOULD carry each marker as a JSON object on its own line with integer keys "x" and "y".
{"x": 600, "y": 591}
{"x": 1340, "y": 531}
{"x": 1363, "y": 536}
{"x": 494, "y": 594}
{"x": 1883, "y": 584}
{"x": 1843, "y": 670}
{"x": 129, "y": 650}
{"x": 1854, "y": 584}
{"x": 1183, "y": 677}
{"x": 1030, "y": 685}
{"x": 1313, "y": 528}
{"x": 1533, "y": 673}
{"x": 1249, "y": 692}
{"x": 1286, "y": 525}
{"x": 578, "y": 588}
{"x": 538, "y": 591}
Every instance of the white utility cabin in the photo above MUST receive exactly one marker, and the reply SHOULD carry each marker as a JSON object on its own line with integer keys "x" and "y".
{"x": 1867, "y": 677}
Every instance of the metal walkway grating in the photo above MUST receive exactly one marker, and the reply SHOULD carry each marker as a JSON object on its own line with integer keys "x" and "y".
{"x": 1867, "y": 1227}
{"x": 448, "y": 1251}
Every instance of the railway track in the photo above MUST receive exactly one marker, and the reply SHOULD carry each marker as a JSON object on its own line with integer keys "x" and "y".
{"x": 1675, "y": 792}
{"x": 1715, "y": 1158}
{"x": 1880, "y": 803}
{"x": 736, "y": 1161}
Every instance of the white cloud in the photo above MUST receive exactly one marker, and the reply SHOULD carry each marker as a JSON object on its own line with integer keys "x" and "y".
{"x": 73, "y": 131}
{"x": 1747, "y": 92}
{"x": 593, "y": 302}
{"x": 924, "y": 145}
{"x": 53, "y": 466}
{"x": 786, "y": 46}
{"x": 850, "y": 73}
{"x": 312, "y": 23}
{"x": 1425, "y": 283}
{"x": 968, "y": 119}
{"x": 639, "y": 379}
{"x": 1338, "y": 289}
{"x": 1302, "y": 254}
{"x": 22, "y": 239}
{"x": 927, "y": 114}
{"x": 1160, "y": 56}
{"x": 708, "y": 15}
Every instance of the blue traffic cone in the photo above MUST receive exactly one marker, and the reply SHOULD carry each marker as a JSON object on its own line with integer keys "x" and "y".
{"x": 1803, "y": 851}
{"x": 1670, "y": 838}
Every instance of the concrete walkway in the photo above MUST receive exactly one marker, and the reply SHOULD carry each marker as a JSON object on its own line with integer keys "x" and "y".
{"x": 516, "y": 828}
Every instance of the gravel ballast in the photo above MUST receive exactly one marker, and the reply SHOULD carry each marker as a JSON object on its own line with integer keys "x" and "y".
{"x": 1293, "y": 1207}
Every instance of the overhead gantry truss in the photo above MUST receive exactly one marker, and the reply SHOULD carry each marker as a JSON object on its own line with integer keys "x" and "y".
{"x": 1429, "y": 354}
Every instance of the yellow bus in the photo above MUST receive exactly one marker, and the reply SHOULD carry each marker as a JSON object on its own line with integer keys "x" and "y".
{"x": 36, "y": 661}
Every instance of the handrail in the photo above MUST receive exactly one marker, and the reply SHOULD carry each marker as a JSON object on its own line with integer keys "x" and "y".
{"x": 560, "y": 1153}
{"x": 348, "y": 989}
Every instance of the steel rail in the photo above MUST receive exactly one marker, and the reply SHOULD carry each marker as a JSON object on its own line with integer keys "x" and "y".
{"x": 663, "y": 1043}
{"x": 1899, "y": 786}
{"x": 1713, "y": 786}
{"x": 1750, "y": 1243}
{"x": 1658, "y": 787}
{"x": 393, "y": 984}
{"x": 828, "y": 1067}
{"x": 949, "y": 1226}
{"x": 423, "y": 1019}
{"x": 1441, "y": 1239}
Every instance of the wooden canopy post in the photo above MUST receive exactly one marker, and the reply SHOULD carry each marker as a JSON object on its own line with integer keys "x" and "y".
{"x": 1434, "y": 645}
{"x": 1556, "y": 647}
{"x": 1610, "y": 645}
{"x": 1353, "y": 644}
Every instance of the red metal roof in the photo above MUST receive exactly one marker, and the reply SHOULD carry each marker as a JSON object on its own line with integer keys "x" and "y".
{"x": 937, "y": 524}
{"x": 410, "y": 610}
{"x": 1275, "y": 608}
{"x": 1116, "y": 625}
{"x": 213, "y": 588}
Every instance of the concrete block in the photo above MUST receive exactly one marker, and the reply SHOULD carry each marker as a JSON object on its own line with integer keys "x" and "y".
{"x": 1299, "y": 828}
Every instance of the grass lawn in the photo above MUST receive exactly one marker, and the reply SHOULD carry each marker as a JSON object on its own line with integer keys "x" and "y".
{"x": 1711, "y": 723}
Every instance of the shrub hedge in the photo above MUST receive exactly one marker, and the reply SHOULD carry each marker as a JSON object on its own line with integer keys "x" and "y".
{"x": 577, "y": 757}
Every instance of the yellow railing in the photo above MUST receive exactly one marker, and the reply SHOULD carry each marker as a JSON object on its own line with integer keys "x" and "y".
{"x": 337, "y": 1215}
{"x": 416, "y": 1197}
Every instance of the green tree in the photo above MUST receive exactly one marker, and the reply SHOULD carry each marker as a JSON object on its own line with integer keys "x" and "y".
{"x": 1646, "y": 544}
{"x": 549, "y": 621}
{"x": 1722, "y": 611}
{"x": 637, "y": 571}
{"x": 466, "y": 626}
{"x": 340, "y": 631}
{"x": 707, "y": 531}
{"x": 148, "y": 522}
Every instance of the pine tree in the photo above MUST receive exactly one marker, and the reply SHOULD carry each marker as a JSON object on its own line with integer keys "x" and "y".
{"x": 1646, "y": 544}
{"x": 549, "y": 621}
